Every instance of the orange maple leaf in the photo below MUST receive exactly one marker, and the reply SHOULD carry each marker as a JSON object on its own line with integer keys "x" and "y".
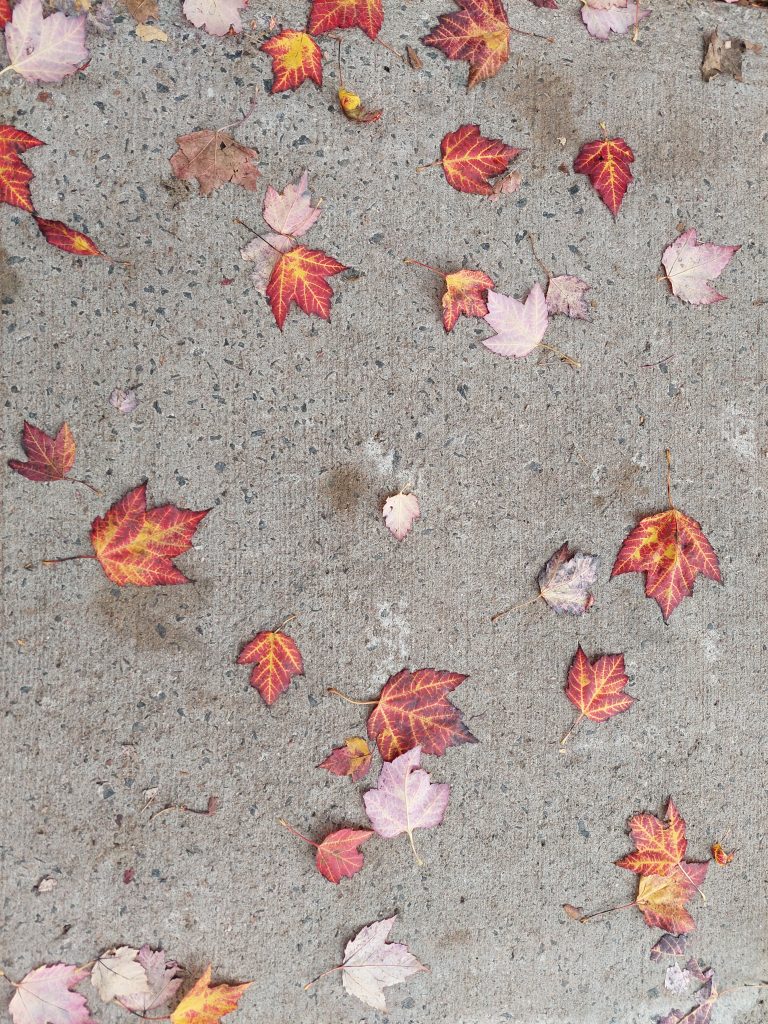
{"x": 465, "y": 293}
{"x": 327, "y": 15}
{"x": 299, "y": 276}
{"x": 295, "y": 58}
{"x": 606, "y": 162}
{"x": 478, "y": 34}
{"x": 276, "y": 659}
{"x": 470, "y": 160}
{"x": 48, "y": 458}
{"x": 62, "y": 236}
{"x": 206, "y": 1003}
{"x": 338, "y": 855}
{"x": 720, "y": 857}
{"x": 136, "y": 545}
{"x": 596, "y": 687}
{"x": 660, "y": 844}
{"x": 662, "y": 898}
{"x": 412, "y": 710}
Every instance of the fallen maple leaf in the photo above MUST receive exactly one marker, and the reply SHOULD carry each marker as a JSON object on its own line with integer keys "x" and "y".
{"x": 62, "y": 236}
{"x": 291, "y": 212}
{"x": 520, "y": 326}
{"x": 606, "y": 163}
{"x": 596, "y": 688}
{"x": 400, "y": 513}
{"x": 217, "y": 17}
{"x": 44, "y": 49}
{"x": 206, "y": 1003}
{"x": 48, "y": 458}
{"x": 566, "y": 580}
{"x": 506, "y": 185}
{"x": 565, "y": 294}
{"x": 295, "y": 58}
{"x": 662, "y": 898}
{"x": 215, "y": 158}
{"x": 672, "y": 550}
{"x": 338, "y": 855}
{"x": 263, "y": 252}
{"x": 276, "y": 660}
{"x": 478, "y": 33}
{"x": 413, "y": 710}
{"x": 328, "y": 15}
{"x": 299, "y": 276}
{"x": 372, "y": 964}
{"x": 45, "y": 996}
{"x": 668, "y": 945}
{"x": 605, "y": 16}
{"x": 661, "y": 844}
{"x": 464, "y": 295}
{"x": 720, "y": 857}
{"x": 352, "y": 107}
{"x": 404, "y": 799}
{"x": 162, "y": 982}
{"x": 135, "y": 545}
{"x": 677, "y": 980}
{"x": 143, "y": 11}
{"x": 690, "y": 266}
{"x": 469, "y": 160}
{"x": 705, "y": 998}
{"x": 117, "y": 973}
{"x": 353, "y": 759}
{"x": 15, "y": 176}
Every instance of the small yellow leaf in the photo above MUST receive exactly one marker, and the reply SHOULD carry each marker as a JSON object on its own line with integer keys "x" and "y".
{"x": 151, "y": 34}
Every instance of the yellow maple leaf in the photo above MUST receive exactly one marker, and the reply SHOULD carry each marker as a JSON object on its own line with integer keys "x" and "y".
{"x": 206, "y": 1003}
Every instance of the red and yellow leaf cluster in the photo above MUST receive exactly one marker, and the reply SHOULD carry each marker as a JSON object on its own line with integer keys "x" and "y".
{"x": 671, "y": 549}
{"x": 15, "y": 177}
{"x": 329, "y": 15}
{"x": 413, "y": 710}
{"x": 606, "y": 162}
{"x": 667, "y": 881}
{"x": 295, "y": 58}
{"x": 470, "y": 160}
{"x": 478, "y": 34}
{"x": 276, "y": 659}
{"x": 135, "y": 545}
{"x": 300, "y": 276}
{"x": 353, "y": 759}
{"x": 48, "y": 458}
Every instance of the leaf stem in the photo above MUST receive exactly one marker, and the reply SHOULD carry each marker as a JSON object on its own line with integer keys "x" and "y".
{"x": 543, "y": 265}
{"x": 561, "y": 355}
{"x": 74, "y": 480}
{"x": 515, "y": 608}
{"x": 285, "y": 622}
{"x": 293, "y": 831}
{"x": 426, "y": 266}
{"x": 349, "y": 700}
{"x": 564, "y": 739}
{"x": 669, "y": 478}
{"x": 426, "y": 167}
{"x": 6, "y": 70}
{"x": 600, "y": 913}
{"x": 391, "y": 49}
{"x": 533, "y": 35}
{"x": 323, "y": 975}
{"x": 57, "y": 561}
{"x": 419, "y": 861}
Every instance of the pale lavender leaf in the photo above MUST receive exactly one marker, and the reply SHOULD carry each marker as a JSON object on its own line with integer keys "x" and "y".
{"x": 519, "y": 326}
{"x": 291, "y": 212}
{"x": 565, "y": 294}
{"x": 125, "y": 400}
{"x": 690, "y": 265}
{"x": 45, "y": 49}
{"x": 601, "y": 20}
{"x": 400, "y": 513}
{"x": 45, "y": 996}
{"x": 264, "y": 252}
{"x": 566, "y": 580}
{"x": 371, "y": 964}
{"x": 162, "y": 980}
{"x": 677, "y": 980}
{"x": 215, "y": 16}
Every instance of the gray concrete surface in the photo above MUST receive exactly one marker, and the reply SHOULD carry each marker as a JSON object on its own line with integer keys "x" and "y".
{"x": 293, "y": 438}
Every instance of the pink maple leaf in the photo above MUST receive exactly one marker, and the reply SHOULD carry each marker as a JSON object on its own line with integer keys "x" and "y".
{"x": 44, "y": 49}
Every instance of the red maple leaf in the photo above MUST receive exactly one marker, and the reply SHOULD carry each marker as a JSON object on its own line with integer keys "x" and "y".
{"x": 15, "y": 176}
{"x": 136, "y": 545}
{"x": 465, "y": 293}
{"x": 470, "y": 160}
{"x": 276, "y": 659}
{"x": 596, "y": 687}
{"x": 48, "y": 458}
{"x": 327, "y": 15}
{"x": 299, "y": 276}
{"x": 62, "y": 236}
{"x": 606, "y": 162}
{"x": 295, "y": 58}
{"x": 660, "y": 844}
{"x": 338, "y": 855}
{"x": 412, "y": 710}
{"x": 478, "y": 34}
